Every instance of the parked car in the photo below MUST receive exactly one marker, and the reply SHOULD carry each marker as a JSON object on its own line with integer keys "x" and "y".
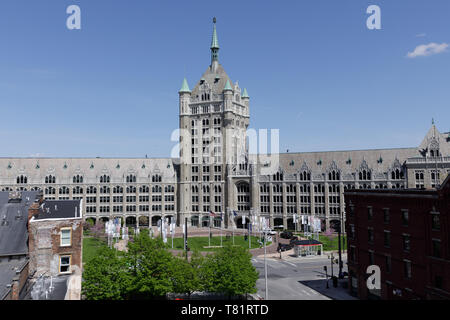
{"x": 293, "y": 239}
{"x": 284, "y": 247}
{"x": 286, "y": 235}
{"x": 280, "y": 227}
{"x": 270, "y": 231}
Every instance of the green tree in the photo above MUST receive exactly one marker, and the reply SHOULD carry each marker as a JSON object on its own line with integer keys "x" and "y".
{"x": 184, "y": 276}
{"x": 105, "y": 276}
{"x": 151, "y": 267}
{"x": 229, "y": 271}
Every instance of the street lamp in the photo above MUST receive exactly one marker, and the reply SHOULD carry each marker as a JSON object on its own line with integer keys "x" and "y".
{"x": 265, "y": 265}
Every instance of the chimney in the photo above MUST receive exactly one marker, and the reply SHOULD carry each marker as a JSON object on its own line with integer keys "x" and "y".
{"x": 15, "y": 289}
{"x": 33, "y": 210}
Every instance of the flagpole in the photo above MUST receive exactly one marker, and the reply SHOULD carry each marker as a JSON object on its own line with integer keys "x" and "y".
{"x": 210, "y": 230}
{"x": 221, "y": 230}
{"x": 249, "y": 235}
{"x": 233, "y": 231}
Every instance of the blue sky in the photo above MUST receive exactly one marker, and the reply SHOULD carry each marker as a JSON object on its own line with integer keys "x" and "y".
{"x": 312, "y": 69}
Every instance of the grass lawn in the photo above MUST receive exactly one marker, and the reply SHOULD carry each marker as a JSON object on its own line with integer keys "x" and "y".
{"x": 332, "y": 244}
{"x": 91, "y": 247}
{"x": 199, "y": 243}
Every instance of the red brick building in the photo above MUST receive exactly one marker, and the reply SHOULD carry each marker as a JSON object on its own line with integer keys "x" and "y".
{"x": 404, "y": 232}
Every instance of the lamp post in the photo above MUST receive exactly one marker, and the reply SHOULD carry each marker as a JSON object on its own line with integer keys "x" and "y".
{"x": 326, "y": 275}
{"x": 265, "y": 265}
{"x": 339, "y": 243}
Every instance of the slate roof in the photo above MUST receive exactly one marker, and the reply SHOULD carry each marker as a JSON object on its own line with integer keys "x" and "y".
{"x": 59, "y": 209}
{"x": 7, "y": 273}
{"x": 13, "y": 223}
{"x": 58, "y": 292}
{"x": 210, "y": 77}
{"x": 310, "y": 242}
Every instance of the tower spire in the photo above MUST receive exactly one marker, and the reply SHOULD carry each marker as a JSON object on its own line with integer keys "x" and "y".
{"x": 214, "y": 47}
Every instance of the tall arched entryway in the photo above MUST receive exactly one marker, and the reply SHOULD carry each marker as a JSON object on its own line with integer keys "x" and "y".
{"x": 278, "y": 222}
{"x": 155, "y": 220}
{"x": 194, "y": 221}
{"x": 143, "y": 221}
{"x": 205, "y": 221}
{"x": 239, "y": 223}
{"x": 290, "y": 224}
{"x": 130, "y": 221}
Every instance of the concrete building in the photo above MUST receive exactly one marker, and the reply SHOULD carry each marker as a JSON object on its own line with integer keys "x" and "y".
{"x": 216, "y": 173}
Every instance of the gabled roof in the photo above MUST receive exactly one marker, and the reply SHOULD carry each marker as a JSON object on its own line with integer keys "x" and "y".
{"x": 210, "y": 77}
{"x": 440, "y": 138}
{"x": 13, "y": 223}
{"x": 59, "y": 209}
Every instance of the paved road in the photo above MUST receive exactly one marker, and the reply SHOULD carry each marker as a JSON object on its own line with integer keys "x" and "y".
{"x": 297, "y": 279}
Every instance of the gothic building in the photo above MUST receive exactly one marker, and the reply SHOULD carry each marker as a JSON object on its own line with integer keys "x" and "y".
{"x": 215, "y": 172}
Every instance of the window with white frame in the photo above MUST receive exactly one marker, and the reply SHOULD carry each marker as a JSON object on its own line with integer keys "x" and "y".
{"x": 66, "y": 237}
{"x": 64, "y": 264}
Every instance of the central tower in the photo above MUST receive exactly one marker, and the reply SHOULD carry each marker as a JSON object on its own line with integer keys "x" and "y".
{"x": 214, "y": 117}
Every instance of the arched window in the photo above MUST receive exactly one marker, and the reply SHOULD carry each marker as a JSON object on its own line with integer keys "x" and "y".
{"x": 333, "y": 175}
{"x": 50, "y": 190}
{"x": 158, "y": 189}
{"x": 118, "y": 189}
{"x": 131, "y": 189}
{"x": 50, "y": 179}
{"x": 156, "y": 178}
{"x": 63, "y": 190}
{"x": 22, "y": 179}
{"x": 169, "y": 188}
{"x": 278, "y": 177}
{"x": 305, "y": 176}
{"x": 77, "y": 190}
{"x": 104, "y": 179}
{"x": 144, "y": 189}
{"x": 131, "y": 178}
{"x": 77, "y": 179}
{"x": 91, "y": 190}
{"x": 364, "y": 175}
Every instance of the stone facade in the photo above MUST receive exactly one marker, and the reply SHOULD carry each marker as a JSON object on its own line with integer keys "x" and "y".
{"x": 215, "y": 172}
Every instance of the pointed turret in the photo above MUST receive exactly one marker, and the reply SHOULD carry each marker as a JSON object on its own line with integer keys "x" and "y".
{"x": 245, "y": 94}
{"x": 184, "y": 87}
{"x": 227, "y": 86}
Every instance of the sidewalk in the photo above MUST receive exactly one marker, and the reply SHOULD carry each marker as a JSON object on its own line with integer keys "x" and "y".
{"x": 339, "y": 293}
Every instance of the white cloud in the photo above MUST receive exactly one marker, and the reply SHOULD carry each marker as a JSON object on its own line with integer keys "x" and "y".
{"x": 428, "y": 49}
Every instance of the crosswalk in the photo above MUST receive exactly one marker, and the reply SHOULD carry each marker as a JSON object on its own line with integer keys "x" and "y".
{"x": 310, "y": 292}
